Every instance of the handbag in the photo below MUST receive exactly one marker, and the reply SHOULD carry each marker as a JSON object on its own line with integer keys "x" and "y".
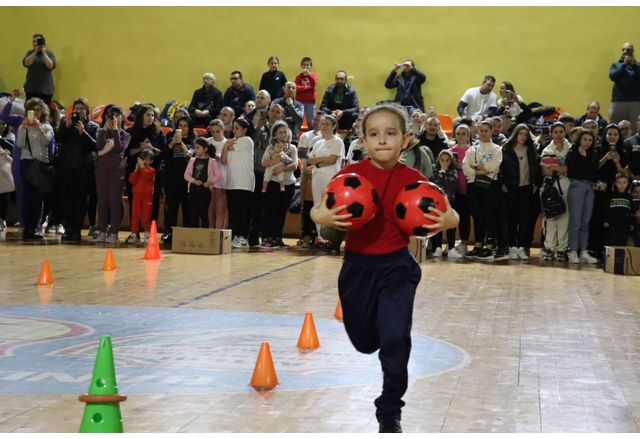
{"x": 6, "y": 177}
{"x": 482, "y": 181}
{"x": 41, "y": 176}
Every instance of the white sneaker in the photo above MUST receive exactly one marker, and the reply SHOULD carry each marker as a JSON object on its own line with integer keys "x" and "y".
{"x": 513, "y": 253}
{"x": 461, "y": 248}
{"x": 112, "y": 238}
{"x": 437, "y": 253}
{"x": 100, "y": 237}
{"x": 3, "y": 225}
{"x": 587, "y": 258}
{"x": 146, "y": 237}
{"x": 131, "y": 239}
{"x": 235, "y": 243}
{"x": 573, "y": 258}
{"x": 59, "y": 229}
{"x": 522, "y": 254}
{"x": 455, "y": 254}
{"x": 243, "y": 242}
{"x": 50, "y": 228}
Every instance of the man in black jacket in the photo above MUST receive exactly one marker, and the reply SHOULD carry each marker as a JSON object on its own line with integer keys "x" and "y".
{"x": 407, "y": 80}
{"x": 75, "y": 164}
{"x": 341, "y": 101}
{"x": 238, "y": 93}
{"x": 625, "y": 96}
{"x": 206, "y": 102}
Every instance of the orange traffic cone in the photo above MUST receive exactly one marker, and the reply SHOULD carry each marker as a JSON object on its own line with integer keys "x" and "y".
{"x": 338, "y": 313}
{"x": 264, "y": 374}
{"x": 109, "y": 261}
{"x": 45, "y": 278}
{"x": 153, "y": 245}
{"x": 308, "y": 340}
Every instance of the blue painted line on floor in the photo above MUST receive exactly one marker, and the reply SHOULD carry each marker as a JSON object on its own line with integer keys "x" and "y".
{"x": 240, "y": 282}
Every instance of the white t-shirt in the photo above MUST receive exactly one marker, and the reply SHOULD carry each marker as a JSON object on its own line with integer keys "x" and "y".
{"x": 240, "y": 174}
{"x": 304, "y": 145}
{"x": 326, "y": 148}
{"x": 218, "y": 145}
{"x": 292, "y": 152}
{"x": 478, "y": 103}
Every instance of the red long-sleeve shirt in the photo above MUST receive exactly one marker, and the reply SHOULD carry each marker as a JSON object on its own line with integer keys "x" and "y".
{"x": 142, "y": 180}
{"x": 306, "y": 88}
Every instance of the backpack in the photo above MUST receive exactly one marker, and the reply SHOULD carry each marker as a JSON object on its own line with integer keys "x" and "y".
{"x": 551, "y": 198}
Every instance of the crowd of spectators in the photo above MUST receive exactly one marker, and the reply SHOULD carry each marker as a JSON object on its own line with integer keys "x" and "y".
{"x": 242, "y": 160}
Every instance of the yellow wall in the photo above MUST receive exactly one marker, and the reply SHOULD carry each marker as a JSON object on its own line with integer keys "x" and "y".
{"x": 556, "y": 55}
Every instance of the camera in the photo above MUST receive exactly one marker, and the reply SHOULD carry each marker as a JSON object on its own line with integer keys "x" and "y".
{"x": 545, "y": 131}
{"x": 40, "y": 41}
{"x": 75, "y": 117}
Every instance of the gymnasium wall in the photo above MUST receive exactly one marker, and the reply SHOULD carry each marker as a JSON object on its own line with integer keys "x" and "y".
{"x": 555, "y": 55}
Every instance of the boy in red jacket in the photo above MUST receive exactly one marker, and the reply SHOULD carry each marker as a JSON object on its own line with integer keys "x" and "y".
{"x": 142, "y": 179}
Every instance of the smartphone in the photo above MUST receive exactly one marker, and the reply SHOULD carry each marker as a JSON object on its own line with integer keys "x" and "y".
{"x": 612, "y": 148}
{"x": 545, "y": 131}
{"x": 179, "y": 132}
{"x": 30, "y": 115}
{"x": 75, "y": 117}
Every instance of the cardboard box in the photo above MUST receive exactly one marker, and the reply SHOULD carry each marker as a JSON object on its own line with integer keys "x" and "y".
{"x": 622, "y": 260}
{"x": 201, "y": 241}
{"x": 418, "y": 248}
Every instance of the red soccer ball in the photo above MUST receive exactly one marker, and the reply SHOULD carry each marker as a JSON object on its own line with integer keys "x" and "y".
{"x": 355, "y": 192}
{"x": 413, "y": 202}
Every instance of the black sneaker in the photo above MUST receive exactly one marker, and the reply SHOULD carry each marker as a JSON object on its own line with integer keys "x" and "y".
{"x": 500, "y": 255}
{"x": 485, "y": 255}
{"x": 546, "y": 254}
{"x": 389, "y": 426}
{"x": 473, "y": 254}
{"x": 561, "y": 256}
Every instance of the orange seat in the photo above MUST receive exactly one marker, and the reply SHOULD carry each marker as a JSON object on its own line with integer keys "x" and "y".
{"x": 446, "y": 124}
{"x": 200, "y": 131}
{"x": 97, "y": 114}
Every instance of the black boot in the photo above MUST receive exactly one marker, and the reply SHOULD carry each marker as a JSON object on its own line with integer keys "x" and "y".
{"x": 389, "y": 425}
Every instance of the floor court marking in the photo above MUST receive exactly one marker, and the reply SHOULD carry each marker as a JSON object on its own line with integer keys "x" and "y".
{"x": 240, "y": 282}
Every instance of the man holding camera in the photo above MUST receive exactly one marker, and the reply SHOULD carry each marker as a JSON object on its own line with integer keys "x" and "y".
{"x": 407, "y": 80}
{"x": 40, "y": 64}
{"x": 625, "y": 96}
{"x": 75, "y": 164}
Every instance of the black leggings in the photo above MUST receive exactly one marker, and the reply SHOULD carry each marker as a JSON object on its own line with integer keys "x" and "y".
{"x": 484, "y": 203}
{"x": 239, "y": 205}
{"x": 199, "y": 200}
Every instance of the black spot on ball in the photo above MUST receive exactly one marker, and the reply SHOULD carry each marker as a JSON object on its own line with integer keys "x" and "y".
{"x": 352, "y": 182}
{"x": 412, "y": 186}
{"x": 374, "y": 195}
{"x": 331, "y": 200}
{"x": 356, "y": 210}
{"x": 420, "y": 231}
{"x": 425, "y": 203}
{"x": 401, "y": 211}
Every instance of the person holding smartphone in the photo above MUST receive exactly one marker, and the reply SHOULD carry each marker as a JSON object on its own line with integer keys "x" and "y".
{"x": 625, "y": 95}
{"x": 39, "y": 63}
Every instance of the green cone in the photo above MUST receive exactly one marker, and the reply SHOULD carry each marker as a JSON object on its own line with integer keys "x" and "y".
{"x": 102, "y": 417}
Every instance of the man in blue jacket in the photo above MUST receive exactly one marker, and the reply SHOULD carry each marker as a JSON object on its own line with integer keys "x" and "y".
{"x": 625, "y": 96}
{"x": 341, "y": 101}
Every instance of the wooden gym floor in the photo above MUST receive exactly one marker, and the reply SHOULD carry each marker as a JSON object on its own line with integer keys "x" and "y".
{"x": 501, "y": 347}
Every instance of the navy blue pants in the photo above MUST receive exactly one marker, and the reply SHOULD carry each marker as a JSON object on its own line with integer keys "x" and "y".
{"x": 377, "y": 292}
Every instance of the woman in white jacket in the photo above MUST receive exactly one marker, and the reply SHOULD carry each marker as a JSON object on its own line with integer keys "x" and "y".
{"x": 481, "y": 165}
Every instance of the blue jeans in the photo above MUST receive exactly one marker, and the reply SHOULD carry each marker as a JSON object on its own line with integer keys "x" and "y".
{"x": 309, "y": 112}
{"x": 580, "y": 204}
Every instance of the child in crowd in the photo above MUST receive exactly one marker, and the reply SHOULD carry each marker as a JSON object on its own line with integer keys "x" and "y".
{"x": 142, "y": 180}
{"x": 201, "y": 174}
{"x": 445, "y": 176}
{"x": 554, "y": 171}
{"x": 306, "y": 89}
{"x": 218, "y": 206}
{"x": 277, "y": 151}
{"x": 357, "y": 150}
{"x": 481, "y": 165}
{"x": 273, "y": 79}
{"x": 635, "y": 211}
{"x": 378, "y": 278}
{"x": 462, "y": 136}
{"x": 617, "y": 219}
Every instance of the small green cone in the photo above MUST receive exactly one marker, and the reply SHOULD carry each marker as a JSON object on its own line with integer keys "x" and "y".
{"x": 102, "y": 417}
